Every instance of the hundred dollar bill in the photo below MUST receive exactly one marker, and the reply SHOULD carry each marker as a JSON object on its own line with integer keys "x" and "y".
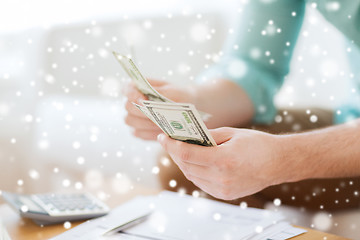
{"x": 143, "y": 85}
{"x": 140, "y": 82}
{"x": 180, "y": 121}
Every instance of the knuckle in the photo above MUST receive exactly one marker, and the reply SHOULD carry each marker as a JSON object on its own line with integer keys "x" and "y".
{"x": 225, "y": 182}
{"x": 224, "y": 165}
{"x": 226, "y": 193}
{"x": 185, "y": 155}
{"x": 128, "y": 105}
{"x": 127, "y": 119}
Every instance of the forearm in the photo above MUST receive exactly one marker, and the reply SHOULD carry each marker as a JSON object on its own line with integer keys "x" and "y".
{"x": 327, "y": 153}
{"x": 226, "y": 101}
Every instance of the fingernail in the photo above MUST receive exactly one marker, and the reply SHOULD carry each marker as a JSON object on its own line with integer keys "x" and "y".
{"x": 161, "y": 138}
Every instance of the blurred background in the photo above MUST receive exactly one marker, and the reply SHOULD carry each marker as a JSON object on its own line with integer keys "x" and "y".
{"x": 61, "y": 107}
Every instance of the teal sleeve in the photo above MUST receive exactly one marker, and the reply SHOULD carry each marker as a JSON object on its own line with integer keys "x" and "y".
{"x": 344, "y": 15}
{"x": 257, "y": 54}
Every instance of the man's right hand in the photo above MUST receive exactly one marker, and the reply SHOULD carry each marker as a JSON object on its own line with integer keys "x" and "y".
{"x": 143, "y": 127}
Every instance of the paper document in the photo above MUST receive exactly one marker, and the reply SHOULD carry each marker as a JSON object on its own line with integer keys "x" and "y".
{"x": 3, "y": 233}
{"x": 171, "y": 216}
{"x": 121, "y": 216}
{"x": 178, "y": 217}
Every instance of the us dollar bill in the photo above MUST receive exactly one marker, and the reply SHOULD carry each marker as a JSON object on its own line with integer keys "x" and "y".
{"x": 138, "y": 79}
{"x": 143, "y": 85}
{"x": 180, "y": 121}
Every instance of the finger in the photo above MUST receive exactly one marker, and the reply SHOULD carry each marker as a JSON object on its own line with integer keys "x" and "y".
{"x": 140, "y": 123}
{"x": 199, "y": 171}
{"x": 222, "y": 135}
{"x": 189, "y": 153}
{"x": 133, "y": 94}
{"x": 204, "y": 185}
{"x": 157, "y": 83}
{"x": 146, "y": 134}
{"x": 132, "y": 110}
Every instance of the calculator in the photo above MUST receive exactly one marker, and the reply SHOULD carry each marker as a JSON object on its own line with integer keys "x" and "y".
{"x": 51, "y": 208}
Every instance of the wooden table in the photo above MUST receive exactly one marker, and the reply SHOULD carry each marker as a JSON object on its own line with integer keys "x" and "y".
{"x": 24, "y": 229}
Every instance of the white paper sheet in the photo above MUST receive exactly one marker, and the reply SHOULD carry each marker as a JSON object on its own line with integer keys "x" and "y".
{"x": 183, "y": 217}
{"x": 3, "y": 233}
{"x": 120, "y": 216}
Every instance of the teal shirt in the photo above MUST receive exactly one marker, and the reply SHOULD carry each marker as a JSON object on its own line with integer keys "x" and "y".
{"x": 257, "y": 55}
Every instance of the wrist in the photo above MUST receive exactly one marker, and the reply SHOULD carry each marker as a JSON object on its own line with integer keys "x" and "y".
{"x": 293, "y": 156}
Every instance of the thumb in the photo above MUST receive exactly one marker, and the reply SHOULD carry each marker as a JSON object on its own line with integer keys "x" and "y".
{"x": 169, "y": 91}
{"x": 222, "y": 135}
{"x": 156, "y": 83}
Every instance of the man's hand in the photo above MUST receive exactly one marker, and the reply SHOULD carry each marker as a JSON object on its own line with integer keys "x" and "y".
{"x": 247, "y": 161}
{"x": 243, "y": 163}
{"x": 142, "y": 126}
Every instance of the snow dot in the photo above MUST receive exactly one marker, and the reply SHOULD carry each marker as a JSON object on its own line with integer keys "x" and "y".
{"x": 121, "y": 184}
{"x": 78, "y": 185}
{"x": 67, "y": 225}
{"x": 158, "y": 221}
{"x": 80, "y": 160}
{"x": 243, "y": 205}
{"x": 199, "y": 32}
{"x": 277, "y": 202}
{"x": 322, "y": 221}
{"x": 34, "y": 174}
{"x": 172, "y": 183}
{"x": 49, "y": 78}
{"x": 103, "y": 53}
{"x": 165, "y": 161}
{"x": 93, "y": 138}
{"x": 259, "y": 229}
{"x": 237, "y": 69}
{"x": 76, "y": 145}
{"x": 66, "y": 182}
{"x": 43, "y": 144}
{"x": 217, "y": 216}
{"x": 255, "y": 53}
{"x": 196, "y": 194}
{"x": 270, "y": 30}
{"x": 278, "y": 119}
{"x": 332, "y": 6}
{"x": 119, "y": 154}
{"x": 190, "y": 210}
{"x": 155, "y": 170}
{"x": 24, "y": 208}
{"x": 329, "y": 68}
{"x": 20, "y": 182}
{"x": 293, "y": 14}
{"x": 68, "y": 117}
{"x": 356, "y": 193}
{"x": 147, "y": 24}
{"x": 13, "y": 140}
{"x": 313, "y": 118}
{"x": 28, "y": 118}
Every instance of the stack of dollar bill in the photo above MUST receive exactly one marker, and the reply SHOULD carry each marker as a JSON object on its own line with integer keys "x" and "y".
{"x": 180, "y": 121}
